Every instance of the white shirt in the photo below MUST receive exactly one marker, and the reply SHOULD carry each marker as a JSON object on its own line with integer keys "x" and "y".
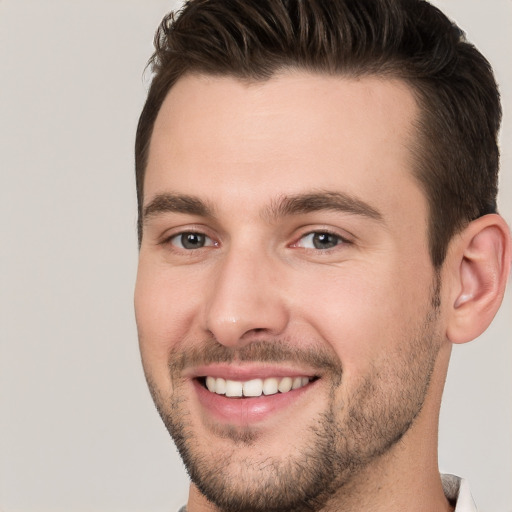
{"x": 457, "y": 491}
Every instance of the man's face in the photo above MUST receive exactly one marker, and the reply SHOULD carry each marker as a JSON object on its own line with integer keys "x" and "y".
{"x": 284, "y": 244}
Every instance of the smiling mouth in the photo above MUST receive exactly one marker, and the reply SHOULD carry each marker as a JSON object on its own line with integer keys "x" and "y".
{"x": 255, "y": 387}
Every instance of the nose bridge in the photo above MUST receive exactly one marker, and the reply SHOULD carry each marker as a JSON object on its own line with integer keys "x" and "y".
{"x": 244, "y": 301}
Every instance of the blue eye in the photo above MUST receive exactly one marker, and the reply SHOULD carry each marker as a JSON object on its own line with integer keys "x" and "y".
{"x": 191, "y": 240}
{"x": 321, "y": 240}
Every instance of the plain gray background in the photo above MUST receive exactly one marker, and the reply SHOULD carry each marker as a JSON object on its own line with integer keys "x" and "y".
{"x": 78, "y": 431}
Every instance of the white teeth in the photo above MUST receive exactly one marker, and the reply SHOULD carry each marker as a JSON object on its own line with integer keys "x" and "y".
{"x": 220, "y": 386}
{"x": 254, "y": 387}
{"x": 297, "y": 383}
{"x": 210, "y": 384}
{"x": 285, "y": 385}
{"x": 234, "y": 388}
{"x": 270, "y": 386}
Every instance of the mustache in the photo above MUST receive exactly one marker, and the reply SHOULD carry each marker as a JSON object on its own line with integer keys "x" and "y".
{"x": 211, "y": 351}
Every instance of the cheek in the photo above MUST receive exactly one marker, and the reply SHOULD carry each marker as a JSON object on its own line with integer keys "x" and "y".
{"x": 364, "y": 312}
{"x": 164, "y": 308}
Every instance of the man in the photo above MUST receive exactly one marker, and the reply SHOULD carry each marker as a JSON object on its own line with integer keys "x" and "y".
{"x": 317, "y": 223}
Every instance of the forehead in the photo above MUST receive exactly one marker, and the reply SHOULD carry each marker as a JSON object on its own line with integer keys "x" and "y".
{"x": 224, "y": 138}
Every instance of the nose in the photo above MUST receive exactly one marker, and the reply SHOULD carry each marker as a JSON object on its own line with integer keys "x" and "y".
{"x": 245, "y": 301}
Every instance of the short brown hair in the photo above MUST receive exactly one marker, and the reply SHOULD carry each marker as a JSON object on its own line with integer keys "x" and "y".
{"x": 457, "y": 156}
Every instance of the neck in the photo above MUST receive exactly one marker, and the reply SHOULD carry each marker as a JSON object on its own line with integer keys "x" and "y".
{"x": 402, "y": 479}
{"x": 407, "y": 476}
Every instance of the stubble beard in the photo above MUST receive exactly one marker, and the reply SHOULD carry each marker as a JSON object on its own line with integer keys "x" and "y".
{"x": 375, "y": 417}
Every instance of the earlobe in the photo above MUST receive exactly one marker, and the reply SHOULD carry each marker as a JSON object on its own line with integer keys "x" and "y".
{"x": 481, "y": 267}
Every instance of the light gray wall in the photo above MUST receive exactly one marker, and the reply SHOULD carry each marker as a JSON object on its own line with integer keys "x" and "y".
{"x": 77, "y": 429}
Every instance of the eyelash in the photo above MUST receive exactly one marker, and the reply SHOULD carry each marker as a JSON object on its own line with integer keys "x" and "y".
{"x": 339, "y": 240}
{"x": 190, "y": 233}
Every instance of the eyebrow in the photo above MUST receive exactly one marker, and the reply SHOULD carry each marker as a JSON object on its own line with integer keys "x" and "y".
{"x": 283, "y": 206}
{"x": 177, "y": 203}
{"x": 318, "y": 201}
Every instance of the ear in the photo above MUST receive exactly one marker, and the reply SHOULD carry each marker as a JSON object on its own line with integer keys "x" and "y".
{"x": 479, "y": 264}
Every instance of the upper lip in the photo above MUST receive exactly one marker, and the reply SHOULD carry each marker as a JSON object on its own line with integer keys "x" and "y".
{"x": 247, "y": 372}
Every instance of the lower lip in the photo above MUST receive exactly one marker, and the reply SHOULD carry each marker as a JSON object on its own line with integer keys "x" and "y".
{"x": 244, "y": 411}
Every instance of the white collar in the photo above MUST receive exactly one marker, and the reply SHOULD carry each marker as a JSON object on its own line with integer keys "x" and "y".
{"x": 457, "y": 491}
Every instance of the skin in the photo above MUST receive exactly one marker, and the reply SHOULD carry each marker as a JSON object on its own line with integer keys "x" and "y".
{"x": 368, "y": 304}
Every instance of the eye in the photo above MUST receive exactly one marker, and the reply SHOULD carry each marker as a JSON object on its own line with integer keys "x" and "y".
{"x": 319, "y": 240}
{"x": 191, "y": 240}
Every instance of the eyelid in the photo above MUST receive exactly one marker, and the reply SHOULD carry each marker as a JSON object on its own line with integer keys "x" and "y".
{"x": 169, "y": 235}
{"x": 343, "y": 239}
{"x": 211, "y": 242}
